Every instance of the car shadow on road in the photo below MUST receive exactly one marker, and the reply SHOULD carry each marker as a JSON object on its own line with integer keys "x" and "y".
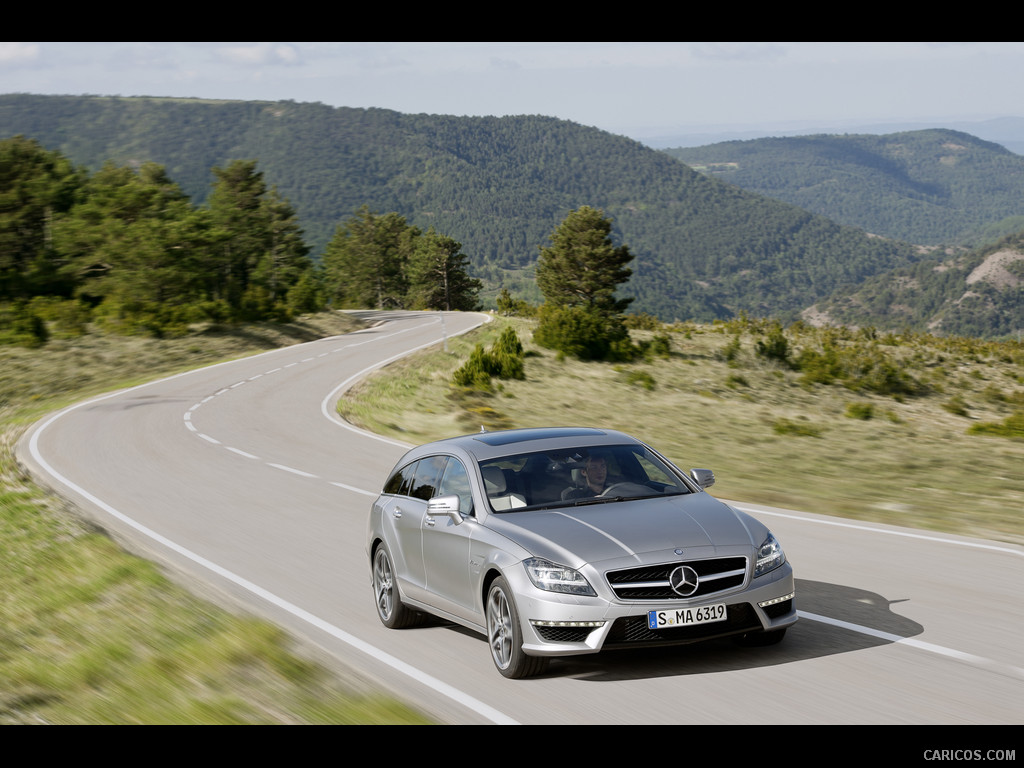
{"x": 809, "y": 638}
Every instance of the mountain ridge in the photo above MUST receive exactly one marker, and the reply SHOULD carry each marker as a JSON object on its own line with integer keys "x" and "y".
{"x": 930, "y": 187}
{"x": 704, "y": 249}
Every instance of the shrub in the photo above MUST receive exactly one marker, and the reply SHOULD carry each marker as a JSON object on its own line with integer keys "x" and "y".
{"x": 774, "y": 346}
{"x": 1012, "y": 426}
{"x": 505, "y": 360}
{"x": 658, "y": 346}
{"x": 585, "y": 334}
{"x": 822, "y": 367}
{"x": 507, "y": 356}
{"x": 305, "y": 296}
{"x": 732, "y": 350}
{"x": 509, "y": 306}
{"x": 875, "y": 373}
{"x": 736, "y": 380}
{"x": 69, "y": 318}
{"x": 956, "y": 406}
{"x": 787, "y": 427}
{"x": 476, "y": 372}
{"x": 862, "y": 411}
{"x": 640, "y": 379}
{"x": 21, "y": 326}
{"x": 642, "y": 322}
{"x": 858, "y": 369}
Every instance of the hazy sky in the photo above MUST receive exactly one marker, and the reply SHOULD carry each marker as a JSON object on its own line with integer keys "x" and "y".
{"x": 635, "y": 89}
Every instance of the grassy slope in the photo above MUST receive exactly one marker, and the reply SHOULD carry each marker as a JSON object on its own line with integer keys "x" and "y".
{"x": 91, "y": 634}
{"x": 770, "y": 438}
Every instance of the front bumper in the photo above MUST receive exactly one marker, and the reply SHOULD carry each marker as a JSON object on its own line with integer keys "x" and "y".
{"x": 565, "y": 625}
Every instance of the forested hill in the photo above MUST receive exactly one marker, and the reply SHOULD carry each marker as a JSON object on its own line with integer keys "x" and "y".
{"x": 979, "y": 293}
{"x": 704, "y": 249}
{"x": 928, "y": 187}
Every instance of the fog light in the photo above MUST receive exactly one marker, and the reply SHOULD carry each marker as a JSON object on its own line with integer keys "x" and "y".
{"x": 766, "y": 603}
{"x": 586, "y": 624}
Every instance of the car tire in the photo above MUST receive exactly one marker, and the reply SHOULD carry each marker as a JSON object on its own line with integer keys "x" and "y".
{"x": 392, "y": 611}
{"x": 505, "y": 635}
{"x": 761, "y": 639}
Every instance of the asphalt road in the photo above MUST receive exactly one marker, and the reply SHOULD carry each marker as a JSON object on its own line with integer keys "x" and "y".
{"x": 242, "y": 479}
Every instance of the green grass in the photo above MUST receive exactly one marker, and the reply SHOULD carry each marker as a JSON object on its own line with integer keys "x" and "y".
{"x": 772, "y": 435}
{"x": 90, "y": 634}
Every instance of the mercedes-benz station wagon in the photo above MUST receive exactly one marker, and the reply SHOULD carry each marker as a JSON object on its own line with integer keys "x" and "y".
{"x": 564, "y": 541}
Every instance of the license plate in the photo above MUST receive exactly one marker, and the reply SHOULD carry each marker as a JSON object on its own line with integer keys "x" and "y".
{"x": 685, "y": 617}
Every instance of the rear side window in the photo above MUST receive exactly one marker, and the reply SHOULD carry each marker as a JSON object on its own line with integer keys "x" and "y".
{"x": 400, "y": 483}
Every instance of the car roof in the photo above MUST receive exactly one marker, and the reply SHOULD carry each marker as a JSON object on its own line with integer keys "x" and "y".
{"x": 489, "y": 445}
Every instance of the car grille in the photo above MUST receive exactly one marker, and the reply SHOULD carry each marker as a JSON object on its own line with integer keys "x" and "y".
{"x": 651, "y": 582}
{"x": 633, "y": 631}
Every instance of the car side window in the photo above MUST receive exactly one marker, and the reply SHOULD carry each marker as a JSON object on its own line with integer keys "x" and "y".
{"x": 400, "y": 483}
{"x": 428, "y": 476}
{"x": 455, "y": 482}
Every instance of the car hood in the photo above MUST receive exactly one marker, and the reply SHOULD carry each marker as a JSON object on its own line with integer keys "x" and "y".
{"x": 638, "y": 530}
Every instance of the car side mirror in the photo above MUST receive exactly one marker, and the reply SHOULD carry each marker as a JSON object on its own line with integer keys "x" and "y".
{"x": 705, "y": 478}
{"x": 445, "y": 506}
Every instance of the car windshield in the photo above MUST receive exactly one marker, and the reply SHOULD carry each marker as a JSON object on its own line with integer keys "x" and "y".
{"x": 592, "y": 475}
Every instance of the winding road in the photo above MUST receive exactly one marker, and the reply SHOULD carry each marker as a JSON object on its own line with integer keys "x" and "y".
{"x": 242, "y": 479}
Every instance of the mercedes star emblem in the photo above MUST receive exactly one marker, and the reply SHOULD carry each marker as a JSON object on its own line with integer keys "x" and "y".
{"x": 684, "y": 580}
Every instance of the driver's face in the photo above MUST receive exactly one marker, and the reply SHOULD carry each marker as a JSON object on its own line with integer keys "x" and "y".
{"x": 597, "y": 472}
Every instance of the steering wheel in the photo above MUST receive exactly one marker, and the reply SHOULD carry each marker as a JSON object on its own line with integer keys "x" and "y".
{"x": 630, "y": 488}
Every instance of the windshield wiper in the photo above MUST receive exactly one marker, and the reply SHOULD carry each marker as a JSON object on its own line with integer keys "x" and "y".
{"x": 598, "y": 500}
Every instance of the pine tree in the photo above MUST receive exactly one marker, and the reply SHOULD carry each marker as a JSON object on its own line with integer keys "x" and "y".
{"x": 579, "y": 275}
{"x": 439, "y": 275}
{"x": 582, "y": 268}
{"x": 364, "y": 263}
{"x": 36, "y": 186}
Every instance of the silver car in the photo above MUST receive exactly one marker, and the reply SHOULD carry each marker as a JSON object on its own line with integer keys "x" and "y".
{"x": 563, "y": 541}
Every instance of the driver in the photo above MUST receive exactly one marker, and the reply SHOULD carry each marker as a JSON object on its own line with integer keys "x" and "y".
{"x": 595, "y": 476}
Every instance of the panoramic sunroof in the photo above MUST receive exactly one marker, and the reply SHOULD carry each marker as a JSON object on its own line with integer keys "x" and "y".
{"x": 522, "y": 435}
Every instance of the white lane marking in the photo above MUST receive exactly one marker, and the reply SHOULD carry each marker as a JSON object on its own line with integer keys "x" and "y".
{"x": 292, "y": 470}
{"x": 241, "y": 452}
{"x": 356, "y": 490}
{"x": 969, "y": 658}
{"x": 188, "y": 414}
{"x": 484, "y": 710}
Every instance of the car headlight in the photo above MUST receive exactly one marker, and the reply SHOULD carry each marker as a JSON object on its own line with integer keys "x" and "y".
{"x": 769, "y": 556}
{"x": 556, "y": 578}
